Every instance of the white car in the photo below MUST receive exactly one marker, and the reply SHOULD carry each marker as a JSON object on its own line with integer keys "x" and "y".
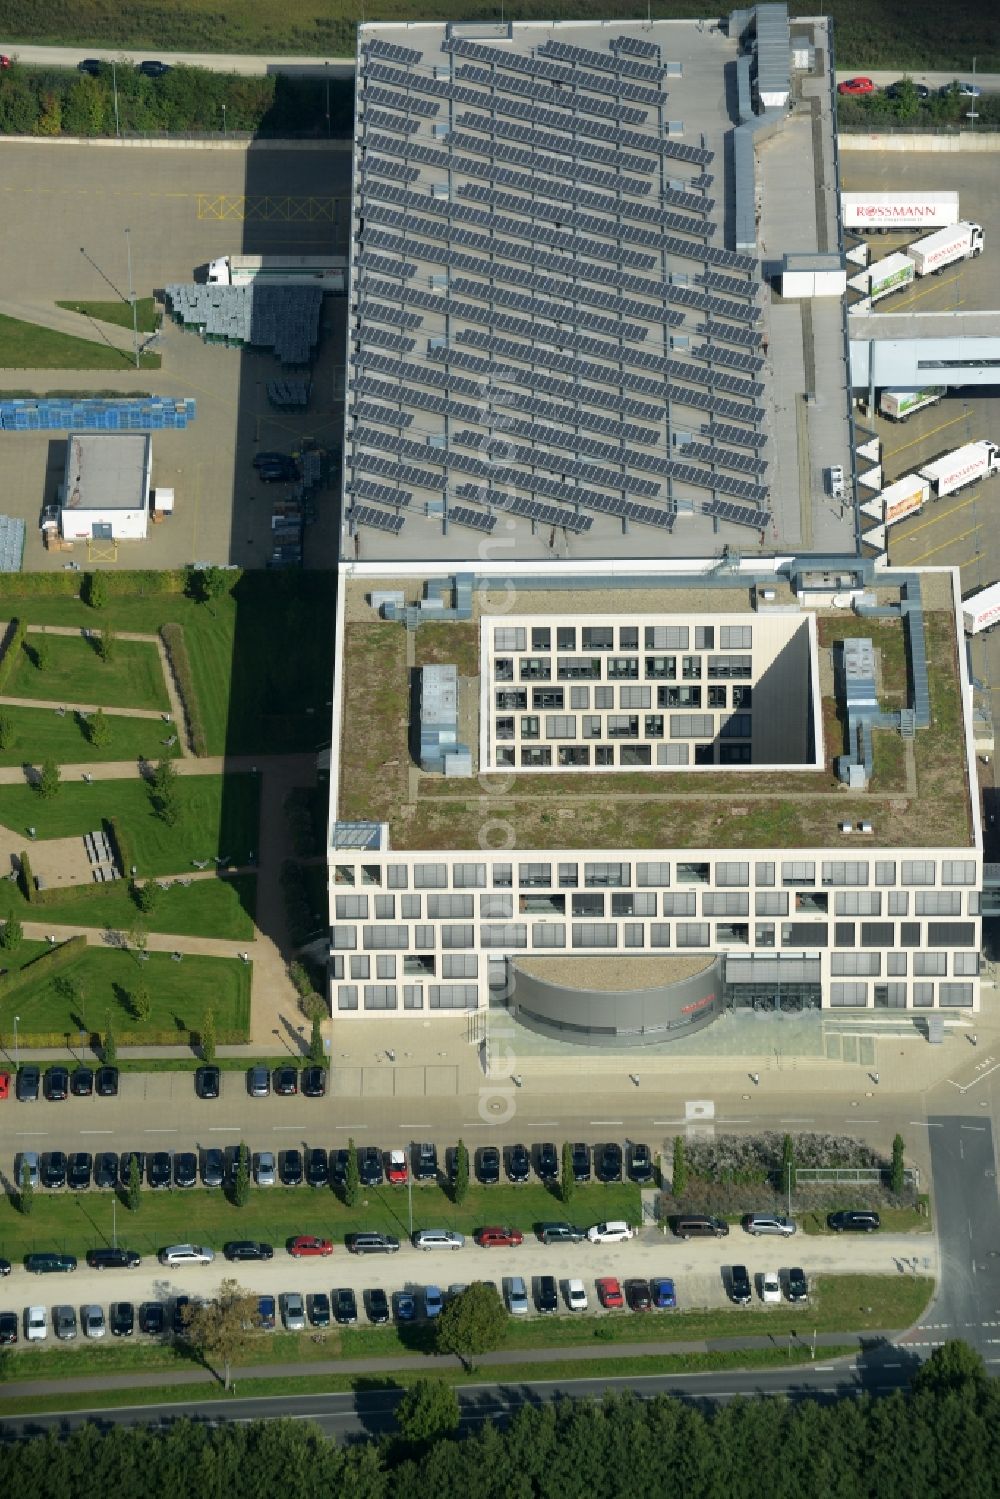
{"x": 186, "y": 1254}
{"x": 770, "y": 1287}
{"x": 92, "y": 1321}
{"x": 264, "y": 1168}
{"x": 576, "y": 1296}
{"x": 609, "y": 1233}
{"x": 36, "y": 1324}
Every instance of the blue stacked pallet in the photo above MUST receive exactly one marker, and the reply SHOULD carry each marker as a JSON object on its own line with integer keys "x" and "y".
{"x": 127, "y": 415}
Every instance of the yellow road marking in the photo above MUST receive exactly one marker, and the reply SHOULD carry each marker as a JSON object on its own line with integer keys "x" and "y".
{"x": 891, "y": 452}
{"x": 936, "y": 520}
{"x": 951, "y": 542}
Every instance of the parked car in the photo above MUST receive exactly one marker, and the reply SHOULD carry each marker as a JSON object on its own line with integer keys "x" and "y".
{"x": 293, "y": 1311}
{"x": 488, "y": 1165}
{"x": 699, "y": 1226}
{"x": 314, "y": 1081}
{"x": 53, "y": 1168}
{"x": 186, "y": 1254}
{"x": 518, "y": 1164}
{"x": 515, "y": 1294}
{"x": 110, "y": 1257}
{"x": 8, "y": 1327}
{"x": 581, "y": 1162}
{"x": 854, "y": 1221}
{"x": 36, "y": 1324}
{"x": 640, "y": 1163}
{"x": 213, "y": 1166}
{"x": 185, "y": 1169}
{"x": 499, "y": 1236}
{"x": 47, "y": 1263}
{"x": 338, "y": 1166}
{"x": 105, "y": 1169}
{"x": 57, "y": 1084}
{"x": 560, "y": 1233}
{"x": 546, "y": 1294}
{"x": 258, "y": 1082}
{"x": 247, "y": 1249}
{"x": 576, "y": 1296}
{"x": 91, "y": 65}
{"x": 318, "y": 1306}
{"x": 81, "y": 1083}
{"x": 28, "y": 1082}
{"x": 615, "y": 1232}
{"x": 377, "y": 1306}
{"x": 547, "y": 1162}
{"x": 266, "y": 1313}
{"x": 770, "y": 1288}
{"x": 856, "y": 86}
{"x": 740, "y": 1289}
{"x": 317, "y": 1168}
{"x": 179, "y": 1321}
{"x": 895, "y": 90}
{"x": 106, "y": 1082}
{"x": 609, "y": 1292}
{"x": 371, "y": 1243}
{"x": 609, "y": 1162}
{"x": 638, "y": 1295}
{"x": 370, "y": 1166}
{"x": 152, "y": 1318}
{"x": 264, "y": 1171}
{"x": 767, "y": 1223}
{"x": 345, "y": 1306}
{"x": 64, "y": 1323}
{"x": 125, "y": 1165}
{"x": 159, "y": 1169}
{"x": 208, "y": 1081}
{"x": 425, "y": 1163}
{"x": 152, "y": 69}
{"x": 963, "y": 90}
{"x": 307, "y": 1244}
{"x": 406, "y": 1306}
{"x": 4, "y": 1086}
{"x": 122, "y": 1319}
{"x": 286, "y": 1081}
{"x": 397, "y": 1171}
{"x": 290, "y": 1168}
{"x": 5, "y": 1267}
{"x": 92, "y": 1321}
{"x": 80, "y": 1170}
{"x": 437, "y": 1238}
{"x": 663, "y": 1294}
{"x": 796, "y": 1285}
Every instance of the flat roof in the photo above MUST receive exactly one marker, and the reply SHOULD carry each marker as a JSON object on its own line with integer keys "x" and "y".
{"x": 106, "y": 470}
{"x": 553, "y": 347}
{"x": 918, "y": 796}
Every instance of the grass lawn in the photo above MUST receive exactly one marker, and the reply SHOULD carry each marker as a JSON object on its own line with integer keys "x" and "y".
{"x": 42, "y": 734}
{"x": 29, "y": 346}
{"x": 75, "y": 673}
{"x": 119, "y": 312}
{"x": 180, "y": 994}
{"x": 205, "y": 908}
{"x": 78, "y": 1221}
{"x": 218, "y": 817}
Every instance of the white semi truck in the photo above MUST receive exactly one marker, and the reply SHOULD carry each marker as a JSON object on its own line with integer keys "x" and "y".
{"x": 329, "y": 272}
{"x": 897, "y": 405}
{"x": 891, "y": 274}
{"x": 966, "y": 465}
{"x": 867, "y": 212}
{"x": 981, "y": 610}
{"x": 904, "y": 497}
{"x": 944, "y": 247}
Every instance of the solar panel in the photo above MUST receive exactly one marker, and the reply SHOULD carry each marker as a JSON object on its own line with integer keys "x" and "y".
{"x": 722, "y": 432}
{"x": 732, "y": 285}
{"x": 368, "y": 411}
{"x": 587, "y": 58}
{"x": 368, "y": 489}
{"x": 392, "y": 52}
{"x": 739, "y": 515}
{"x": 364, "y": 515}
{"x": 381, "y": 313}
{"x": 543, "y": 94}
{"x": 475, "y": 519}
{"x": 549, "y": 515}
{"x": 380, "y": 166}
{"x": 747, "y": 338}
{"x": 393, "y": 99}
{"x": 402, "y": 473}
{"x": 636, "y": 46}
{"x": 704, "y": 452}
{"x": 540, "y": 67}
{"x": 723, "y": 483}
{"x": 384, "y": 119}
{"x": 389, "y": 340}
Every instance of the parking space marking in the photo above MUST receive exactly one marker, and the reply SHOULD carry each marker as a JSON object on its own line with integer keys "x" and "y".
{"x": 161, "y": 1131}
{"x": 607, "y": 1121}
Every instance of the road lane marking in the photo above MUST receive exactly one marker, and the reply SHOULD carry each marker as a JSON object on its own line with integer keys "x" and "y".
{"x": 979, "y": 1127}
{"x": 224, "y": 1129}
{"x": 927, "y": 1123}
{"x": 161, "y": 1131}
{"x": 97, "y": 1132}
{"x": 350, "y": 1126}
{"x": 607, "y": 1121}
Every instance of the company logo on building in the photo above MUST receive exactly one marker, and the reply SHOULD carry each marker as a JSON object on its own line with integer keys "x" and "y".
{"x": 900, "y": 211}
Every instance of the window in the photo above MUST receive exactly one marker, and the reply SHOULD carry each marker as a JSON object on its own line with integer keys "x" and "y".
{"x": 624, "y": 669}
{"x": 496, "y": 907}
{"x": 503, "y": 877}
{"x": 652, "y": 874}
{"x": 725, "y": 903}
{"x": 360, "y": 966}
{"x": 336, "y": 968}
{"x": 954, "y": 996}
{"x": 877, "y": 934}
{"x": 717, "y": 697}
{"x": 923, "y": 996}
{"x": 453, "y": 996}
{"x": 504, "y": 758}
{"x": 885, "y": 871}
{"x": 652, "y": 726}
{"x": 843, "y": 934}
{"x": 694, "y": 874}
{"x": 604, "y": 697}
{"x": 898, "y": 903}
{"x": 595, "y": 934}
{"x": 742, "y": 696}
{"x": 909, "y": 934}
{"x": 764, "y": 934}
{"x": 548, "y": 934}
{"x": 458, "y": 936}
{"x": 937, "y": 903}
{"x": 413, "y": 997}
{"x": 930, "y": 964}
{"x": 344, "y": 875}
{"x": 534, "y": 876}
{"x": 965, "y": 963}
{"x": 692, "y": 933}
{"x": 568, "y": 876}
{"x": 548, "y": 697}
{"x": 634, "y": 697}
{"x": 385, "y": 966}
{"x": 845, "y": 872}
{"x": 597, "y": 638}
{"x": 736, "y": 726}
{"x": 385, "y": 908}
{"x": 798, "y": 872}
{"x": 764, "y": 873}
{"x": 732, "y": 932}
{"x": 729, "y": 668}
{"x": 680, "y": 903}
{"x": 560, "y": 726}
{"x": 530, "y": 726}
{"x": 622, "y": 726}
{"x": 661, "y": 668}
{"x": 643, "y": 903}
{"x": 679, "y": 697}
{"x": 896, "y": 964}
{"x": 973, "y": 903}
{"x": 855, "y": 964}
{"x": 566, "y": 638}
{"x": 890, "y": 996}
{"x": 380, "y": 997}
{"x": 635, "y": 754}
{"x": 919, "y": 871}
{"x": 734, "y": 754}
{"x": 692, "y": 725}
{"x": 732, "y": 873}
{"x": 535, "y": 757}
{"x": 691, "y": 669}
{"x": 704, "y": 637}
{"x": 858, "y": 903}
{"x": 511, "y": 701}
{"x": 579, "y": 669}
{"x": 659, "y": 934}
{"x": 460, "y": 966}
{"x": 951, "y": 933}
{"x": 449, "y": 907}
{"x": 596, "y": 875}
{"x": 588, "y": 905}
{"x": 958, "y": 872}
{"x": 535, "y": 669}
{"x": 503, "y": 934}
{"x": 344, "y": 936}
{"x": 573, "y": 756}
{"x": 672, "y": 754}
{"x": 579, "y": 697}
{"x": 666, "y": 638}
{"x": 771, "y": 903}
{"x": 378, "y": 938}
{"x": 804, "y": 934}
{"x": 628, "y": 638}
{"x": 505, "y": 728}
{"x": 430, "y": 876}
{"x": 352, "y": 907}
{"x": 735, "y": 637}
{"x": 347, "y": 996}
{"x": 634, "y": 936}
{"x": 509, "y": 638}
{"x": 591, "y": 726}
{"x": 503, "y": 669}
{"x": 848, "y": 994}
{"x": 468, "y": 876}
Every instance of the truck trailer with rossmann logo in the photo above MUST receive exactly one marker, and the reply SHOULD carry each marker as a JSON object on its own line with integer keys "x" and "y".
{"x": 946, "y": 246}
{"x": 897, "y": 405}
{"x": 904, "y": 497}
{"x": 865, "y": 213}
{"x": 966, "y": 465}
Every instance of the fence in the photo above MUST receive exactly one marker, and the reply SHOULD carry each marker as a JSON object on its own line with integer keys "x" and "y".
{"x": 870, "y": 1176}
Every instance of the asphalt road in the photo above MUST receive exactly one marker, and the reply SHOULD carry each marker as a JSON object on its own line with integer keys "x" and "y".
{"x": 968, "y": 1223}
{"x": 219, "y": 62}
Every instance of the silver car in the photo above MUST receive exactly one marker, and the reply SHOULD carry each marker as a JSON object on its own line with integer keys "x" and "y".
{"x": 92, "y": 1321}
{"x": 768, "y": 1223}
{"x": 64, "y": 1322}
{"x": 294, "y": 1312}
{"x": 264, "y": 1168}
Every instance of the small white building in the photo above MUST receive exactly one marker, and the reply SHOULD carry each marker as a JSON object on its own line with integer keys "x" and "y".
{"x": 106, "y": 486}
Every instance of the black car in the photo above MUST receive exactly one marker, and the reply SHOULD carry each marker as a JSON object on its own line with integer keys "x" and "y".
{"x": 57, "y": 1084}
{"x": 377, "y": 1306}
{"x": 78, "y": 1173}
{"x": 91, "y": 65}
{"x": 609, "y": 1162}
{"x": 81, "y": 1083}
{"x": 290, "y": 1168}
{"x": 181, "y": 1305}
{"x": 286, "y": 1081}
{"x": 371, "y": 1243}
{"x": 740, "y": 1289}
{"x": 796, "y": 1285}
{"x": 581, "y": 1162}
{"x": 488, "y": 1164}
{"x": 112, "y": 1258}
{"x": 518, "y": 1163}
{"x": 858, "y": 1221}
{"x": 338, "y": 1167}
{"x": 106, "y": 1082}
{"x": 5, "y": 1267}
{"x": 151, "y": 69}
{"x": 370, "y": 1169}
{"x": 185, "y": 1169}
{"x": 547, "y": 1162}
{"x": 319, "y": 1309}
{"x": 638, "y": 1295}
{"x": 159, "y": 1168}
{"x": 268, "y": 460}
{"x": 425, "y": 1163}
{"x": 247, "y": 1249}
{"x": 640, "y": 1163}
{"x": 317, "y": 1168}
{"x": 8, "y": 1327}
{"x": 547, "y": 1294}
{"x": 274, "y": 473}
{"x": 560, "y": 1233}
{"x": 895, "y": 90}
{"x": 122, "y": 1319}
{"x": 314, "y": 1082}
{"x": 105, "y": 1169}
{"x": 345, "y": 1305}
{"x": 212, "y": 1168}
{"x": 207, "y": 1081}
{"x": 52, "y": 1169}
{"x": 152, "y": 1318}
{"x": 125, "y": 1164}
{"x": 28, "y": 1081}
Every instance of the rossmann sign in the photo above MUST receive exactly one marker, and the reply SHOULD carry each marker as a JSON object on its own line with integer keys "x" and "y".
{"x": 911, "y": 212}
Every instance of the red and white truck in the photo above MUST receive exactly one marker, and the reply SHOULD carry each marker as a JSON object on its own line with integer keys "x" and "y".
{"x": 944, "y": 247}
{"x": 867, "y": 212}
{"x": 904, "y": 497}
{"x": 976, "y": 460}
{"x": 981, "y": 610}
{"x": 897, "y": 405}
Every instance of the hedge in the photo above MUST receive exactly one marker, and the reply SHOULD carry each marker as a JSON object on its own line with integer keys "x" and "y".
{"x": 172, "y": 636}
{"x": 122, "y": 844}
{"x": 43, "y": 967}
{"x": 27, "y": 879}
{"x": 140, "y": 583}
{"x": 12, "y": 650}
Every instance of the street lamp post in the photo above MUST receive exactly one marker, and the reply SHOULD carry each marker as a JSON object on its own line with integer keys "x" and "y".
{"x": 114, "y": 89}
{"x": 409, "y": 1185}
{"x": 326, "y": 69}
{"x": 223, "y": 120}
{"x": 17, "y": 1054}
{"x": 131, "y": 297}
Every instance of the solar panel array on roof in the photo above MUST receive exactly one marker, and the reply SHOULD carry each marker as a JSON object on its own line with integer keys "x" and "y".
{"x": 723, "y": 483}
{"x": 387, "y": 119}
{"x": 381, "y": 166}
{"x": 364, "y": 515}
{"x": 394, "y": 99}
{"x": 544, "y": 94}
{"x": 747, "y": 338}
{"x": 636, "y": 46}
{"x": 705, "y": 452}
{"x": 586, "y": 57}
{"x": 369, "y": 411}
{"x": 402, "y": 473}
{"x": 385, "y": 494}
{"x": 738, "y": 515}
{"x": 741, "y": 436}
{"x": 392, "y": 52}
{"x": 549, "y": 515}
{"x": 476, "y": 519}
{"x": 540, "y": 67}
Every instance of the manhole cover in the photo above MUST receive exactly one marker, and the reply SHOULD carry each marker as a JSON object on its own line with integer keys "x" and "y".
{"x": 498, "y": 1106}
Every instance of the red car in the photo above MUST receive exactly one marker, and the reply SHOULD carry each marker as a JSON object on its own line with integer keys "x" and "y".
{"x": 397, "y": 1172}
{"x": 307, "y": 1244}
{"x": 499, "y": 1237}
{"x": 856, "y": 86}
{"x": 609, "y": 1292}
{"x": 4, "y": 1085}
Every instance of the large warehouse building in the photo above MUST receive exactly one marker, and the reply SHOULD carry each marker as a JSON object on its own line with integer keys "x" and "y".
{"x": 624, "y": 730}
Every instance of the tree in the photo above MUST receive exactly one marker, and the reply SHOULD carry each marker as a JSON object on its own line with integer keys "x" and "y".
{"x": 95, "y": 590}
{"x": 679, "y": 1179}
{"x": 107, "y": 645}
{"x": 6, "y": 731}
{"x": 99, "y": 729}
{"x": 109, "y": 1051}
{"x": 428, "y": 1410}
{"x": 317, "y": 1053}
{"x": 164, "y": 792}
{"x": 13, "y": 932}
{"x": 141, "y": 1002}
{"x": 47, "y": 784}
{"x": 43, "y": 652}
{"x": 567, "y": 1180}
{"x": 241, "y": 1185}
{"x": 208, "y": 1036}
{"x": 460, "y": 1186}
{"x": 146, "y": 895}
{"x": 222, "y": 1328}
{"x": 896, "y": 1170}
{"x": 954, "y": 1368}
{"x": 352, "y": 1177}
{"x": 210, "y": 583}
{"x": 788, "y": 1165}
{"x": 137, "y": 937}
{"x": 26, "y": 1194}
{"x": 474, "y": 1322}
{"x": 133, "y": 1187}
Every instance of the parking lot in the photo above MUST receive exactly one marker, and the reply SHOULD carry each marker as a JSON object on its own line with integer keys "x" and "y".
{"x": 66, "y": 212}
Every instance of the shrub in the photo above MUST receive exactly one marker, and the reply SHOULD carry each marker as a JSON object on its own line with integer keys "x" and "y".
{"x": 172, "y": 636}
{"x": 680, "y": 1172}
{"x": 120, "y": 841}
{"x": 48, "y": 782}
{"x": 99, "y": 729}
{"x": 460, "y": 1187}
{"x": 26, "y": 879}
{"x": 146, "y": 895}
{"x": 12, "y": 650}
{"x": 6, "y": 730}
{"x": 896, "y": 1178}
{"x": 13, "y": 933}
{"x": 95, "y": 590}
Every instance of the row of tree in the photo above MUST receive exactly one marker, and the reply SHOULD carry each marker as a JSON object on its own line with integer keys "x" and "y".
{"x": 907, "y": 109}
{"x": 940, "y": 1440}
